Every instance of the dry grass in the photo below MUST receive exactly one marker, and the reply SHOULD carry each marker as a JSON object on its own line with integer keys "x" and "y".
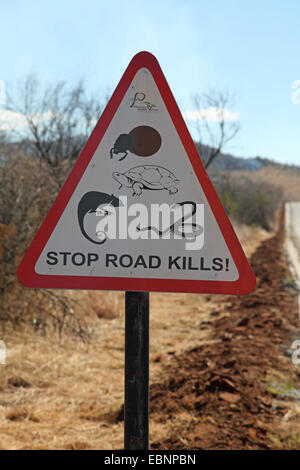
{"x": 56, "y": 395}
{"x": 288, "y": 179}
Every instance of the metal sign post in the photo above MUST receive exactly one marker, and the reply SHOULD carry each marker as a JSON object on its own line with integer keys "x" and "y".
{"x": 136, "y": 408}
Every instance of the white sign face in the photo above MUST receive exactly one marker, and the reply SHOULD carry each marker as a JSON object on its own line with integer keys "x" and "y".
{"x": 138, "y": 210}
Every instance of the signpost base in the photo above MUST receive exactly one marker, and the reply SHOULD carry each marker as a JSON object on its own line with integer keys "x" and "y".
{"x": 136, "y": 407}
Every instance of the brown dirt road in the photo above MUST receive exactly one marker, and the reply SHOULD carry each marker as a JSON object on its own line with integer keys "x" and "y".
{"x": 241, "y": 392}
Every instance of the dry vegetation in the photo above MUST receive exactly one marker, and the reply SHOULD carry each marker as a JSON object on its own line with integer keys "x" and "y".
{"x": 248, "y": 200}
{"x": 27, "y": 191}
{"x": 286, "y": 178}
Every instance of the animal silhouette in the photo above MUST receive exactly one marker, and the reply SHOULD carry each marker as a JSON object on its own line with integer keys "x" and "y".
{"x": 89, "y": 203}
{"x": 147, "y": 177}
{"x": 195, "y": 229}
{"x": 142, "y": 141}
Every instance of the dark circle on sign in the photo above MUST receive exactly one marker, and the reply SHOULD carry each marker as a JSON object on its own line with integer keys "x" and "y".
{"x": 82, "y": 259}
{"x": 124, "y": 265}
{"x": 145, "y": 141}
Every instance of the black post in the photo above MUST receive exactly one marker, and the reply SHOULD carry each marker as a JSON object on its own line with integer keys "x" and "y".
{"x": 136, "y": 408}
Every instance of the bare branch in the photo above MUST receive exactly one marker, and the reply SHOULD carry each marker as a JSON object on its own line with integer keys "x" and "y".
{"x": 216, "y": 124}
{"x": 57, "y": 120}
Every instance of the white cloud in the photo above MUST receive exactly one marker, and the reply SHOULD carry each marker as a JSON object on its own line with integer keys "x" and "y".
{"x": 15, "y": 121}
{"x": 212, "y": 114}
{"x": 11, "y": 120}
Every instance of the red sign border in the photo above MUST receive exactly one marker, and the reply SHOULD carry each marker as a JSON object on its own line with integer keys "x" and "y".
{"x": 26, "y": 272}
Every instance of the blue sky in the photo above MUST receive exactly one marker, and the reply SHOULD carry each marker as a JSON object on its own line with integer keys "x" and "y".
{"x": 250, "y": 48}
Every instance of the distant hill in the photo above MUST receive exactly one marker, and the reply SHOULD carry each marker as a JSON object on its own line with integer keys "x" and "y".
{"x": 257, "y": 169}
{"x": 226, "y": 161}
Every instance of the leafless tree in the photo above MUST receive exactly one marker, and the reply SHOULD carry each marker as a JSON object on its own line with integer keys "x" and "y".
{"x": 57, "y": 119}
{"x": 216, "y": 124}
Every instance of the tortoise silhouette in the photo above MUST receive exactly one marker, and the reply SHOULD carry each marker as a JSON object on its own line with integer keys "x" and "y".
{"x": 142, "y": 141}
{"x": 147, "y": 177}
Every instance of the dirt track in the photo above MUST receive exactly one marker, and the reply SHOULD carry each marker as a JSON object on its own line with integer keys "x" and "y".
{"x": 239, "y": 391}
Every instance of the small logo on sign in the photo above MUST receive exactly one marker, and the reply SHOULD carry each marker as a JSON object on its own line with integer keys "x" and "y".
{"x": 140, "y": 103}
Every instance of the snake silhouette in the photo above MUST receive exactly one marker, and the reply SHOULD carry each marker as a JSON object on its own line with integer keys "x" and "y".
{"x": 197, "y": 229}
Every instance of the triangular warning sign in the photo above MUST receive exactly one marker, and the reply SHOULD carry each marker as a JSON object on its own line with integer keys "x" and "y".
{"x": 138, "y": 211}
